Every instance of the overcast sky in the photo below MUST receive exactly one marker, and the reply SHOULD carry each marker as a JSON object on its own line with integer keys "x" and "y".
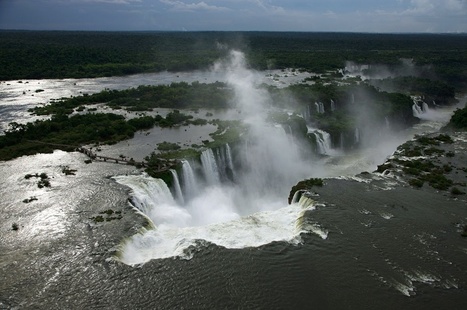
{"x": 242, "y": 15}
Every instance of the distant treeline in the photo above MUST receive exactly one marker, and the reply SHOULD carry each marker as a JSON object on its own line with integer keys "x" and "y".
{"x": 36, "y": 54}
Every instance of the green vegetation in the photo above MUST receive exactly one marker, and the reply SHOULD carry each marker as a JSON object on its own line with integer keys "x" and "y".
{"x": 227, "y": 132}
{"x": 464, "y": 231}
{"x": 168, "y": 146}
{"x": 458, "y": 120}
{"x": 384, "y": 167}
{"x": 180, "y": 154}
{"x": 424, "y": 140}
{"x": 145, "y": 98}
{"x": 456, "y": 191}
{"x": 426, "y": 171}
{"x": 67, "y": 171}
{"x": 31, "y": 199}
{"x": 65, "y": 133}
{"x": 40, "y": 54}
{"x": 436, "y": 90}
{"x": 424, "y": 145}
{"x": 107, "y": 216}
{"x": 44, "y": 180}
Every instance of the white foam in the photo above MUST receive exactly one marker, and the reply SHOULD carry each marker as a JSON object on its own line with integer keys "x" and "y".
{"x": 285, "y": 224}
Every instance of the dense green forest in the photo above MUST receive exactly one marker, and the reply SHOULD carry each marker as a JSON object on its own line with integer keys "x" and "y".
{"x": 439, "y": 64}
{"x": 67, "y": 132}
{"x": 145, "y": 98}
{"x": 30, "y": 54}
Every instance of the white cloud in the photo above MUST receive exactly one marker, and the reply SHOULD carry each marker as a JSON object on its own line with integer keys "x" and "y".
{"x": 182, "y": 6}
{"x": 268, "y": 7}
{"x": 437, "y": 7}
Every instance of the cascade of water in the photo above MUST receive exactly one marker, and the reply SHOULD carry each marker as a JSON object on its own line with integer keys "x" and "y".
{"x": 210, "y": 169}
{"x": 271, "y": 163}
{"x": 221, "y": 163}
{"x": 333, "y": 105}
{"x": 228, "y": 156}
{"x": 425, "y": 107}
{"x": 190, "y": 186}
{"x": 153, "y": 198}
{"x": 357, "y": 135}
{"x": 177, "y": 187}
{"x": 353, "y": 98}
{"x": 319, "y": 107}
{"x": 307, "y": 112}
{"x": 323, "y": 141}
{"x": 341, "y": 141}
{"x": 416, "y": 110}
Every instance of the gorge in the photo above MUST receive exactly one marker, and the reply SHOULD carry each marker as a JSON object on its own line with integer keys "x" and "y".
{"x": 217, "y": 231}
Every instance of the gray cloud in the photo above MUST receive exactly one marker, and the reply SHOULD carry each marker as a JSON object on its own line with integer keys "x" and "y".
{"x": 182, "y": 6}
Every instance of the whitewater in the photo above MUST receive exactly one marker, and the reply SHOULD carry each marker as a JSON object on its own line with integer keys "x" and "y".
{"x": 215, "y": 201}
{"x": 229, "y": 206}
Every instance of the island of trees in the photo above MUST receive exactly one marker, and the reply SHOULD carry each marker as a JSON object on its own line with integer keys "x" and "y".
{"x": 438, "y": 72}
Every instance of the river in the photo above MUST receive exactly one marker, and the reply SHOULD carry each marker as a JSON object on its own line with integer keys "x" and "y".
{"x": 362, "y": 242}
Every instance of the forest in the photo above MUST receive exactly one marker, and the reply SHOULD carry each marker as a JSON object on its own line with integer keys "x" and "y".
{"x": 59, "y": 54}
{"x": 438, "y": 65}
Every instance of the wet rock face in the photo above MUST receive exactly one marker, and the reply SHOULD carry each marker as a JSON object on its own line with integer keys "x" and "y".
{"x": 304, "y": 185}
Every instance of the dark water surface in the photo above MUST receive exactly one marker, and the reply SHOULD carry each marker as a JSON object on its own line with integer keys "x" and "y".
{"x": 388, "y": 247}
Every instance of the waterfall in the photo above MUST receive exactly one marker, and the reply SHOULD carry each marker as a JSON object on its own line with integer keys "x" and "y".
{"x": 177, "y": 187}
{"x": 333, "y": 105}
{"x": 357, "y": 135}
{"x": 353, "y": 98}
{"x": 153, "y": 198}
{"x": 323, "y": 141}
{"x": 250, "y": 213}
{"x": 388, "y": 124}
{"x": 221, "y": 163}
{"x": 210, "y": 169}
{"x": 307, "y": 111}
{"x": 228, "y": 156}
{"x": 425, "y": 107}
{"x": 416, "y": 110}
{"x": 421, "y": 110}
{"x": 190, "y": 186}
{"x": 341, "y": 141}
{"x": 319, "y": 107}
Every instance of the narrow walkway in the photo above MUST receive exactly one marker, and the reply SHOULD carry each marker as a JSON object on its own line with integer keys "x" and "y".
{"x": 163, "y": 165}
{"x": 94, "y": 156}
{"x": 121, "y": 160}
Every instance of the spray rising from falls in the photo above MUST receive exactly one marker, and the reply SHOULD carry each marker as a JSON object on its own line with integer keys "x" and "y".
{"x": 230, "y": 206}
{"x": 174, "y": 235}
{"x": 421, "y": 110}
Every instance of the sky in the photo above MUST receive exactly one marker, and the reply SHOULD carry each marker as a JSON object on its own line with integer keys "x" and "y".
{"x": 425, "y": 16}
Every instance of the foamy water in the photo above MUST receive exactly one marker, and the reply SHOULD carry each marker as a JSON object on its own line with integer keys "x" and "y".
{"x": 211, "y": 218}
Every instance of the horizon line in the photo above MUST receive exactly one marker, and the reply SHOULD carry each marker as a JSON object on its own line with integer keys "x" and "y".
{"x": 232, "y": 31}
